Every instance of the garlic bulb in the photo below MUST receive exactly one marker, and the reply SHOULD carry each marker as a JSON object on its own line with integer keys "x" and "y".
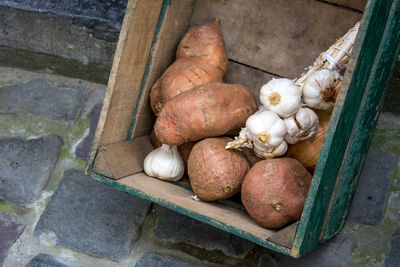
{"x": 164, "y": 163}
{"x": 281, "y": 96}
{"x": 301, "y": 126}
{"x": 264, "y": 132}
{"x": 321, "y": 89}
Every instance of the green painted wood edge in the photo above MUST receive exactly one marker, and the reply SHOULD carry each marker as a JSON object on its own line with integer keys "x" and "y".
{"x": 164, "y": 7}
{"x": 192, "y": 214}
{"x": 166, "y": 3}
{"x": 366, "y": 120}
{"x": 340, "y": 129}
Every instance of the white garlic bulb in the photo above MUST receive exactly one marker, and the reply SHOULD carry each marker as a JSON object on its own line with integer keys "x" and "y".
{"x": 321, "y": 89}
{"x": 301, "y": 126}
{"x": 164, "y": 163}
{"x": 281, "y": 96}
{"x": 264, "y": 132}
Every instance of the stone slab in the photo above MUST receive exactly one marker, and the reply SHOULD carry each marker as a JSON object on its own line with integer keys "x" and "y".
{"x": 155, "y": 259}
{"x": 393, "y": 260}
{"x": 369, "y": 202}
{"x": 25, "y": 166}
{"x": 83, "y": 149}
{"x": 177, "y": 228}
{"x": 43, "y": 100}
{"x": 336, "y": 252}
{"x": 45, "y": 260}
{"x": 89, "y": 216}
{"x": 10, "y": 229}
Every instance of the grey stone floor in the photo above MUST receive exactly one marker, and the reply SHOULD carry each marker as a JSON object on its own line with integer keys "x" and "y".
{"x": 53, "y": 215}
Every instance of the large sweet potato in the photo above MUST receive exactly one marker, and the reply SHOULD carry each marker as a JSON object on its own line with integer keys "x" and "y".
{"x": 210, "y": 110}
{"x": 216, "y": 173}
{"x": 200, "y": 58}
{"x": 274, "y": 191}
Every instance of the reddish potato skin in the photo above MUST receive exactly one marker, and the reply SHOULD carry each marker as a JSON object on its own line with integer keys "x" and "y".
{"x": 181, "y": 76}
{"x": 205, "y": 43}
{"x": 274, "y": 191}
{"x": 216, "y": 173}
{"x": 210, "y": 110}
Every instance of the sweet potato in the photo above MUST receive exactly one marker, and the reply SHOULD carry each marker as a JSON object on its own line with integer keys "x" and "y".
{"x": 274, "y": 191}
{"x": 200, "y": 58}
{"x": 181, "y": 76}
{"x": 307, "y": 151}
{"x": 216, "y": 173}
{"x": 205, "y": 111}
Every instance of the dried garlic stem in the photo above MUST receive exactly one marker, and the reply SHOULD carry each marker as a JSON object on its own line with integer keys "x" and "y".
{"x": 336, "y": 57}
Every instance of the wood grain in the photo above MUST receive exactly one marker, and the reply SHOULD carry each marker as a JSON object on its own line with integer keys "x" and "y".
{"x": 281, "y": 37}
{"x": 174, "y": 25}
{"x": 122, "y": 159}
{"x": 127, "y": 71}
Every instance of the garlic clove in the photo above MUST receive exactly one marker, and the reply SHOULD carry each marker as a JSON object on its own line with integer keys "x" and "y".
{"x": 164, "y": 163}
{"x": 276, "y": 151}
{"x": 281, "y": 96}
{"x": 301, "y": 126}
{"x": 321, "y": 89}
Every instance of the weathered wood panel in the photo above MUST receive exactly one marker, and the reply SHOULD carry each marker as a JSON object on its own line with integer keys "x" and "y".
{"x": 121, "y": 159}
{"x": 281, "y": 37}
{"x": 365, "y": 121}
{"x": 356, "y": 85}
{"x": 173, "y": 24}
{"x": 127, "y": 71}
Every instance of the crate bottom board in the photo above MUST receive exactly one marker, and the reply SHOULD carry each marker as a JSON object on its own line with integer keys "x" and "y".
{"x": 224, "y": 217}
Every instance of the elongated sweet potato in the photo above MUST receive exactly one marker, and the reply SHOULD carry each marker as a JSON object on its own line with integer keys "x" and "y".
{"x": 200, "y": 58}
{"x": 210, "y": 110}
{"x": 181, "y": 76}
{"x": 216, "y": 173}
{"x": 274, "y": 191}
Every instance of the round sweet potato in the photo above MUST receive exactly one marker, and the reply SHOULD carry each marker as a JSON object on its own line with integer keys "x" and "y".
{"x": 274, "y": 191}
{"x": 216, "y": 173}
{"x": 213, "y": 109}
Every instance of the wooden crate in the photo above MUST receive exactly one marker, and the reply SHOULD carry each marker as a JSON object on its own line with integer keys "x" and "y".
{"x": 264, "y": 39}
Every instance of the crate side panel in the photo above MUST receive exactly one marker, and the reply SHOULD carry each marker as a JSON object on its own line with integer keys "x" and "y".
{"x": 341, "y": 126}
{"x": 367, "y": 119}
{"x": 280, "y": 37}
{"x": 126, "y": 77}
{"x": 179, "y": 199}
{"x": 121, "y": 159}
{"x": 172, "y": 27}
{"x": 355, "y": 4}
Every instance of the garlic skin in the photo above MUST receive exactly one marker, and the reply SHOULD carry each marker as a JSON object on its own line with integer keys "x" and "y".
{"x": 301, "y": 126}
{"x": 264, "y": 132}
{"x": 281, "y": 96}
{"x": 321, "y": 89}
{"x": 164, "y": 163}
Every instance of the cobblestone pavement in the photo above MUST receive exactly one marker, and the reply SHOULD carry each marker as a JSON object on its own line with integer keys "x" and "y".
{"x": 53, "y": 215}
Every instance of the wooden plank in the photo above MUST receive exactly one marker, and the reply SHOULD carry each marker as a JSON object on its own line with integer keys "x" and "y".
{"x": 366, "y": 121}
{"x": 124, "y": 158}
{"x": 127, "y": 71}
{"x": 280, "y": 37}
{"x": 355, "y": 4}
{"x": 126, "y": 74}
{"x": 343, "y": 117}
{"x": 172, "y": 25}
{"x": 180, "y": 199}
